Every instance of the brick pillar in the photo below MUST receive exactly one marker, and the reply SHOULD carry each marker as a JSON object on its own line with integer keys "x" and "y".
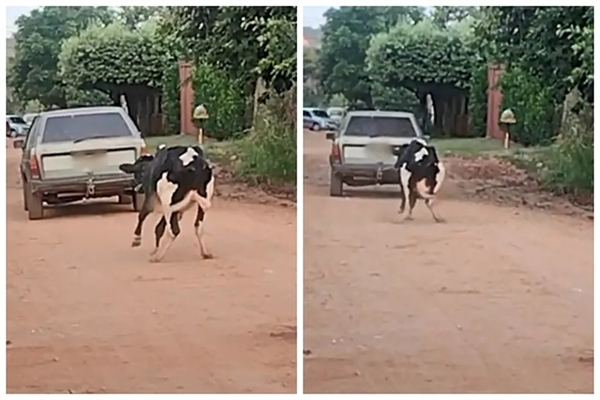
{"x": 494, "y": 102}
{"x": 186, "y": 99}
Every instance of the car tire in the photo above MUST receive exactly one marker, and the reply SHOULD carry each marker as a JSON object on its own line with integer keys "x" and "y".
{"x": 315, "y": 127}
{"x": 336, "y": 186}
{"x": 35, "y": 204}
{"x": 138, "y": 201}
{"x": 125, "y": 199}
{"x": 13, "y": 134}
{"x": 25, "y": 187}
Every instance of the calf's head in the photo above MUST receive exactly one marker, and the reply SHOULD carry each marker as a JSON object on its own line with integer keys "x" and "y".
{"x": 138, "y": 169}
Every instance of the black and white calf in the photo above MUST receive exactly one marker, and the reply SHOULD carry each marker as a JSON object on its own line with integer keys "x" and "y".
{"x": 173, "y": 180}
{"x": 421, "y": 175}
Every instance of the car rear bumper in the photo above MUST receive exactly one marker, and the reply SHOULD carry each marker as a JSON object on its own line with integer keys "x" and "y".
{"x": 366, "y": 173}
{"x": 94, "y": 186}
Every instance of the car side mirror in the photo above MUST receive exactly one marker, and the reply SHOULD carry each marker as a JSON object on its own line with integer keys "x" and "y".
{"x": 330, "y": 135}
{"x": 18, "y": 144}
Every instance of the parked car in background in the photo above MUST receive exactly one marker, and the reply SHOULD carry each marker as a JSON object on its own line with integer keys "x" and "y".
{"x": 336, "y": 113}
{"x": 29, "y": 118}
{"x": 16, "y": 126}
{"x": 73, "y": 154}
{"x": 362, "y": 149}
{"x": 317, "y": 119}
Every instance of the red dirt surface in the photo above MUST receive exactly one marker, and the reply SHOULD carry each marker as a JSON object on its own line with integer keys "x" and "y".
{"x": 497, "y": 300}
{"x": 89, "y": 314}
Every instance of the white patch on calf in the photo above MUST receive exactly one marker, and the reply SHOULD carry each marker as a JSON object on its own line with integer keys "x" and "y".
{"x": 187, "y": 157}
{"x": 210, "y": 188}
{"x": 165, "y": 190}
{"x": 420, "y": 154}
{"x": 440, "y": 177}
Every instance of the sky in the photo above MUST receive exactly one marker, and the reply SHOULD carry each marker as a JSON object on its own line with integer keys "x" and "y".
{"x": 12, "y": 13}
{"x": 313, "y": 16}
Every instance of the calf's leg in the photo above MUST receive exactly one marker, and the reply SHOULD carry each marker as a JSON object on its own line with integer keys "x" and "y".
{"x": 404, "y": 178}
{"x": 402, "y": 200}
{"x": 429, "y": 204}
{"x": 165, "y": 191}
{"x": 198, "y": 231}
{"x": 412, "y": 200}
{"x": 172, "y": 234}
{"x": 159, "y": 231}
{"x": 146, "y": 210}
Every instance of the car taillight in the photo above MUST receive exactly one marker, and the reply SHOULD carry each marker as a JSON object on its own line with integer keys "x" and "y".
{"x": 336, "y": 154}
{"x": 34, "y": 167}
{"x": 144, "y": 150}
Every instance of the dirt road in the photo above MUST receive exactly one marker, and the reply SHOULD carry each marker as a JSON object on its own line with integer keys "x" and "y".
{"x": 88, "y": 313}
{"x": 497, "y": 300}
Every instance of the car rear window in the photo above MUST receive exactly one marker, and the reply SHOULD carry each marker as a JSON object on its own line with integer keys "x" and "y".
{"x": 380, "y": 126}
{"x": 69, "y": 128}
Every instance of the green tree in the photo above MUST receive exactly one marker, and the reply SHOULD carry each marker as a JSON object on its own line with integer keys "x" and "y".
{"x": 346, "y": 37}
{"x": 547, "y": 42}
{"x": 134, "y": 17}
{"x": 426, "y": 59}
{"x": 34, "y": 74}
{"x": 445, "y": 15}
{"x": 245, "y": 42}
{"x": 118, "y": 61}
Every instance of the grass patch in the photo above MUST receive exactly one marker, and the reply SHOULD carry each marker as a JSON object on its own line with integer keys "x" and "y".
{"x": 470, "y": 146}
{"x": 531, "y": 159}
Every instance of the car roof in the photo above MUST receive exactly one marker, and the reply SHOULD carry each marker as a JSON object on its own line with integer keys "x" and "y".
{"x": 376, "y": 113}
{"x": 314, "y": 109}
{"x": 81, "y": 111}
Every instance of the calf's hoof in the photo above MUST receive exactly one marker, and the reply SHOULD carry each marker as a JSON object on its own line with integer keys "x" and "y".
{"x": 207, "y": 256}
{"x": 155, "y": 259}
{"x": 137, "y": 241}
{"x": 440, "y": 220}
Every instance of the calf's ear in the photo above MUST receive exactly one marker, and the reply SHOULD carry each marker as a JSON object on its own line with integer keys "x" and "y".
{"x": 127, "y": 168}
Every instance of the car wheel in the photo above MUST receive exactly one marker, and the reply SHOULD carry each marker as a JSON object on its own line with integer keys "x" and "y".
{"x": 35, "y": 205}
{"x": 336, "y": 186}
{"x": 25, "y": 187}
{"x": 316, "y": 127}
{"x": 13, "y": 134}
{"x": 138, "y": 201}
{"x": 125, "y": 199}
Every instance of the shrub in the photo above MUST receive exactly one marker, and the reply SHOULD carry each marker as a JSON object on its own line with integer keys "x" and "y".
{"x": 223, "y": 98}
{"x": 170, "y": 98}
{"x": 570, "y": 163}
{"x": 532, "y": 103}
{"x": 269, "y": 154}
{"x": 478, "y": 101}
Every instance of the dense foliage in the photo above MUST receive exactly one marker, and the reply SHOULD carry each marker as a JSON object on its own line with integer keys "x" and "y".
{"x": 223, "y": 101}
{"x": 346, "y": 37}
{"x": 103, "y": 57}
{"x": 245, "y": 42}
{"x": 34, "y": 75}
